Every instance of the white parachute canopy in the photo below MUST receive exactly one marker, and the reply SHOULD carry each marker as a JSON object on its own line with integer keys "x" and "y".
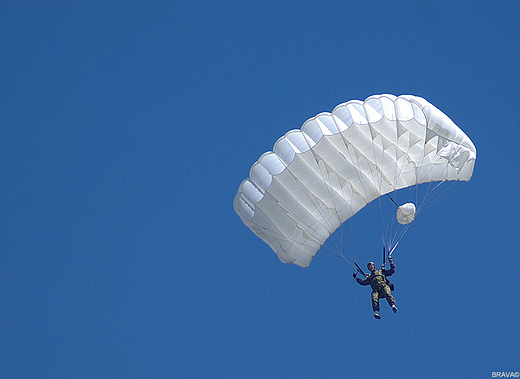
{"x": 318, "y": 177}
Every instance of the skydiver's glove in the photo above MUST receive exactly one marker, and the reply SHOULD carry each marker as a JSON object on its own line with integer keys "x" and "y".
{"x": 354, "y": 275}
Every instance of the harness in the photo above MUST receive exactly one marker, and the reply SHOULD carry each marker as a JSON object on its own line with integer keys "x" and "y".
{"x": 377, "y": 280}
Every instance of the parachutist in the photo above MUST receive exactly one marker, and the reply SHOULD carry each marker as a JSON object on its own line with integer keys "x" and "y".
{"x": 381, "y": 287}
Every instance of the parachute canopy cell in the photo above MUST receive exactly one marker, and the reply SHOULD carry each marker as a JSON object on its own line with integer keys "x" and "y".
{"x": 324, "y": 173}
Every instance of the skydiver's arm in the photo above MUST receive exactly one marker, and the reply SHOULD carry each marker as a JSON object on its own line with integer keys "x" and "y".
{"x": 392, "y": 269}
{"x": 363, "y": 282}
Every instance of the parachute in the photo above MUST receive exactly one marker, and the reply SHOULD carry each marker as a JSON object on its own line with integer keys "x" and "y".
{"x": 319, "y": 176}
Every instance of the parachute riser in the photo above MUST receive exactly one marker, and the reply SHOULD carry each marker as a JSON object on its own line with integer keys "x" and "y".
{"x": 393, "y": 248}
{"x": 360, "y": 271}
{"x": 389, "y": 255}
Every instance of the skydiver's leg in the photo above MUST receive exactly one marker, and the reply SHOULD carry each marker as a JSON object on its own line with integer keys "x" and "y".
{"x": 375, "y": 301}
{"x": 388, "y": 295}
{"x": 385, "y": 291}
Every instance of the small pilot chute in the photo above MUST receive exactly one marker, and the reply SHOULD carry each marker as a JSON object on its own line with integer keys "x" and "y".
{"x": 405, "y": 213}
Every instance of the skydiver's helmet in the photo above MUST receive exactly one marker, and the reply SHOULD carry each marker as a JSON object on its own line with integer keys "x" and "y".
{"x": 371, "y": 263}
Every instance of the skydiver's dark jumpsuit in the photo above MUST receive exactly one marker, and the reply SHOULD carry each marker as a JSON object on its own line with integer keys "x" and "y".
{"x": 380, "y": 288}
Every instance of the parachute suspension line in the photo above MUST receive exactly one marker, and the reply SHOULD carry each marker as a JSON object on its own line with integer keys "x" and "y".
{"x": 336, "y": 199}
{"x": 319, "y": 206}
{"x": 394, "y": 241}
{"x": 391, "y": 227}
{"x": 336, "y": 251}
{"x": 433, "y": 197}
{"x": 354, "y": 158}
{"x": 312, "y": 198}
{"x": 378, "y": 177}
{"x": 391, "y": 145}
{"x": 328, "y": 186}
{"x": 387, "y": 223}
{"x": 427, "y": 200}
{"x": 428, "y": 196}
{"x": 385, "y": 243}
{"x": 353, "y": 248}
{"x": 346, "y": 260}
{"x": 398, "y": 179}
{"x": 399, "y": 236}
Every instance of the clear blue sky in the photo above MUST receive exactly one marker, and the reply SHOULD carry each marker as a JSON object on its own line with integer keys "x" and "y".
{"x": 125, "y": 130}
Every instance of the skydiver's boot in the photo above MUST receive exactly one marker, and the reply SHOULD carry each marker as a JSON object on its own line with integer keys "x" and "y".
{"x": 394, "y": 308}
{"x": 376, "y": 315}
